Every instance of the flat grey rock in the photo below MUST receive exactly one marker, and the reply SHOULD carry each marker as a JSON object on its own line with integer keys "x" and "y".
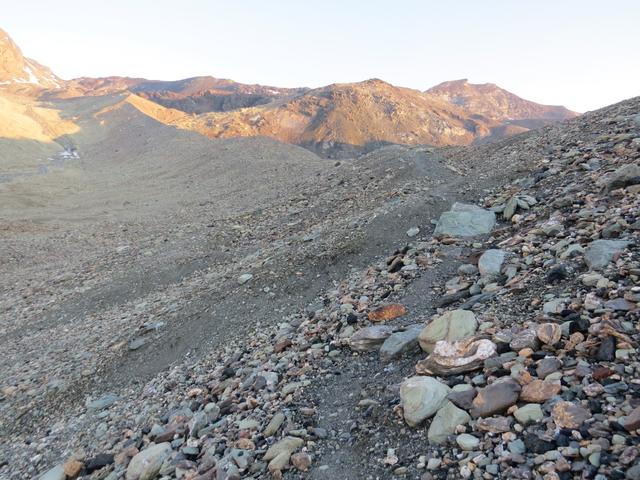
{"x": 369, "y": 338}
{"x": 465, "y": 220}
{"x": 601, "y": 252}
{"x": 400, "y": 342}
{"x": 102, "y": 402}
{"x": 56, "y": 473}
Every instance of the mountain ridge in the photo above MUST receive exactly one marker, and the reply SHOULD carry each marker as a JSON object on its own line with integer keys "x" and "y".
{"x": 334, "y": 120}
{"x": 495, "y": 102}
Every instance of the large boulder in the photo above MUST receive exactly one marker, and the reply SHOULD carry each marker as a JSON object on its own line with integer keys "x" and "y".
{"x": 465, "y": 221}
{"x": 621, "y": 178}
{"x": 421, "y": 398}
{"x": 445, "y": 422}
{"x": 601, "y": 252}
{"x": 452, "y": 326}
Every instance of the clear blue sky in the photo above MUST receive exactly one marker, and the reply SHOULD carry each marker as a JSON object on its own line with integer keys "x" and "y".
{"x": 581, "y": 53}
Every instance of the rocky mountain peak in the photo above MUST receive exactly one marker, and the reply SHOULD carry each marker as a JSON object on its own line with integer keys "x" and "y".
{"x": 493, "y": 102}
{"x": 12, "y": 63}
{"x": 18, "y": 71}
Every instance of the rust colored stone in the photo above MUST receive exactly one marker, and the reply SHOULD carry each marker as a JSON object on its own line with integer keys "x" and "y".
{"x": 569, "y": 415}
{"x": 281, "y": 345}
{"x": 387, "y": 312}
{"x": 549, "y": 333}
{"x": 539, "y": 391}
{"x": 72, "y": 468}
{"x": 601, "y": 373}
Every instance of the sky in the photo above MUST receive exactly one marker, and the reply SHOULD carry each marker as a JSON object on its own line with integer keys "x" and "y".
{"x": 581, "y": 54}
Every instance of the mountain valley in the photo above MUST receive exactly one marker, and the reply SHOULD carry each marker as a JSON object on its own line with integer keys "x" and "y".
{"x": 208, "y": 280}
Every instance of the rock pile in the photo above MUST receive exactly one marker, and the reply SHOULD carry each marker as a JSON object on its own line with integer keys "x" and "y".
{"x": 546, "y": 383}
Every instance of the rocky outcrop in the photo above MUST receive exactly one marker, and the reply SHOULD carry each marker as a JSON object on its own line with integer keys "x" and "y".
{"x": 20, "y": 73}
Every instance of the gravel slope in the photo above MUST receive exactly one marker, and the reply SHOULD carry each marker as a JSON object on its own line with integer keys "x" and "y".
{"x": 128, "y": 288}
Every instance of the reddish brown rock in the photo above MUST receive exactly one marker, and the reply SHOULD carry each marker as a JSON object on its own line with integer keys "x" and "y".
{"x": 281, "y": 345}
{"x": 302, "y": 461}
{"x": 495, "y": 424}
{"x": 166, "y": 436}
{"x": 601, "y": 373}
{"x": 539, "y": 391}
{"x": 72, "y": 468}
{"x": 123, "y": 457}
{"x": 245, "y": 444}
{"x": 387, "y": 312}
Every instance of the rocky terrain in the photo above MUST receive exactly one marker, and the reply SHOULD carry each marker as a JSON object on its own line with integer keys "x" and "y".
{"x": 332, "y": 332}
{"x": 191, "y": 95}
{"x": 177, "y": 306}
{"x": 339, "y": 119}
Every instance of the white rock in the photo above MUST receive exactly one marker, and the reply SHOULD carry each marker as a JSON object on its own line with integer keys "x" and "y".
{"x": 244, "y": 278}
